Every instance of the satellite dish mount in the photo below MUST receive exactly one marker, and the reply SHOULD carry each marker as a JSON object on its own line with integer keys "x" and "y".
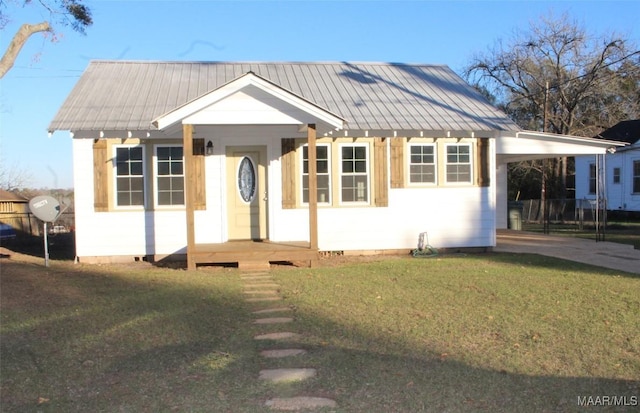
{"x": 47, "y": 209}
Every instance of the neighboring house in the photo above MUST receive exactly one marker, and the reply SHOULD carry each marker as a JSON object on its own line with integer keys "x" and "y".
{"x": 205, "y": 158}
{"x": 620, "y": 170}
{"x": 14, "y": 213}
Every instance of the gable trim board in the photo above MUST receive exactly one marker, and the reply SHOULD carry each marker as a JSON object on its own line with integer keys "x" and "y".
{"x": 408, "y": 148}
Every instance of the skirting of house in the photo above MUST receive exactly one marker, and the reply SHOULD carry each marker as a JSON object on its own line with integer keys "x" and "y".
{"x": 237, "y": 255}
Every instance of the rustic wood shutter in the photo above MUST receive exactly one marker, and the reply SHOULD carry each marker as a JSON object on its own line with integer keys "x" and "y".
{"x": 288, "y": 164}
{"x": 397, "y": 162}
{"x": 199, "y": 175}
{"x": 483, "y": 163}
{"x": 380, "y": 185}
{"x": 100, "y": 176}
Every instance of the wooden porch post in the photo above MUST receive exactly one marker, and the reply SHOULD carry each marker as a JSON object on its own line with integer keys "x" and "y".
{"x": 313, "y": 187}
{"x": 190, "y": 179}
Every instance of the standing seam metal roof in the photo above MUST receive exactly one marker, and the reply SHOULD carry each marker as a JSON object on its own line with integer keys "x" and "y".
{"x": 128, "y": 95}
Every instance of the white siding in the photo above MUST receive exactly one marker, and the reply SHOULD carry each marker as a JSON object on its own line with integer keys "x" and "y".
{"x": 619, "y": 196}
{"x": 119, "y": 233}
{"x": 452, "y": 216}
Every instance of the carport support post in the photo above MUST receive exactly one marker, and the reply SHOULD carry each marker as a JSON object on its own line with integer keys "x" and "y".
{"x": 187, "y": 137}
{"x": 313, "y": 187}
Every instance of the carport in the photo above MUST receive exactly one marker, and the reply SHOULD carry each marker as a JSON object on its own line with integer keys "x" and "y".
{"x": 529, "y": 145}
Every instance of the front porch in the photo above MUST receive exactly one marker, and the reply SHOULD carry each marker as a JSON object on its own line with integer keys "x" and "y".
{"x": 255, "y": 254}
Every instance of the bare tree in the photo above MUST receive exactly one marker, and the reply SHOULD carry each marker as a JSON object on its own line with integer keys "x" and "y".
{"x": 61, "y": 12}
{"x": 13, "y": 177}
{"x": 557, "y": 78}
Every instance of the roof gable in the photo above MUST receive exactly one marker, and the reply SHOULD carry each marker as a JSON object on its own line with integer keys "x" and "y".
{"x": 249, "y": 99}
{"x": 125, "y": 95}
{"x": 625, "y": 131}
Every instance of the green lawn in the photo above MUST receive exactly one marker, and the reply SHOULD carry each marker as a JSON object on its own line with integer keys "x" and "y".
{"x": 486, "y": 332}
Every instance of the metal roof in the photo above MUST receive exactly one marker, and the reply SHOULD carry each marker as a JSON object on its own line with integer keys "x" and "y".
{"x": 128, "y": 95}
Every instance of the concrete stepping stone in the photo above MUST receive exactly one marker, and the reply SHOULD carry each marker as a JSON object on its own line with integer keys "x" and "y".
{"x": 271, "y": 310}
{"x": 282, "y": 353}
{"x": 276, "y": 336}
{"x": 273, "y": 320}
{"x": 256, "y": 277}
{"x": 265, "y": 298}
{"x": 299, "y": 403}
{"x": 286, "y": 375}
{"x": 261, "y": 284}
{"x": 262, "y": 292}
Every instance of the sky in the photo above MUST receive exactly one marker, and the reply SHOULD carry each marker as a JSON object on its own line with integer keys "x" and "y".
{"x": 419, "y": 31}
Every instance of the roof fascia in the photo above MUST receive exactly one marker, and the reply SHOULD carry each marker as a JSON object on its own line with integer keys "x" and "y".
{"x": 177, "y": 115}
{"x": 603, "y": 143}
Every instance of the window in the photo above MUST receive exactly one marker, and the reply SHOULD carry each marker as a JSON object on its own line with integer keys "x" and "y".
{"x": 354, "y": 173}
{"x": 169, "y": 170}
{"x": 458, "y": 166}
{"x": 592, "y": 178}
{"x": 422, "y": 164}
{"x": 129, "y": 176}
{"x": 324, "y": 179}
{"x": 636, "y": 177}
{"x": 616, "y": 175}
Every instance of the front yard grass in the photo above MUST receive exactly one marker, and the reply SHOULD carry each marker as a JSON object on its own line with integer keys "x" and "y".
{"x": 487, "y": 332}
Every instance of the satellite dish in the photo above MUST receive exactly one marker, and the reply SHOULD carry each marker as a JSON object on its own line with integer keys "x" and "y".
{"x": 46, "y": 208}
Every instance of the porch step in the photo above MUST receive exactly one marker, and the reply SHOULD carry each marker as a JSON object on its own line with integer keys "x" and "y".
{"x": 253, "y": 265}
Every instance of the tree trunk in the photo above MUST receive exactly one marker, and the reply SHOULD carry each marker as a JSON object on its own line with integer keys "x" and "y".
{"x": 24, "y": 32}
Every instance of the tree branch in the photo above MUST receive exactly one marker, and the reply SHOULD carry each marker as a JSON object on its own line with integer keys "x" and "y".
{"x": 24, "y": 32}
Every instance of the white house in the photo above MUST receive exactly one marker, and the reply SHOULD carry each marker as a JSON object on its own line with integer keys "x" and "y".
{"x": 207, "y": 158}
{"x": 620, "y": 177}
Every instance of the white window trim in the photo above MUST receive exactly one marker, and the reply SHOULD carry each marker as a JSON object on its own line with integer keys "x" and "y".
{"x": 368, "y": 159}
{"x": 435, "y": 165}
{"x": 145, "y": 185}
{"x": 328, "y": 202}
{"x": 155, "y": 177}
{"x": 471, "y": 164}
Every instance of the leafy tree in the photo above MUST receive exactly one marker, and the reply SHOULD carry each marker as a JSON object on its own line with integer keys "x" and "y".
{"x": 61, "y": 13}
{"x": 555, "y": 77}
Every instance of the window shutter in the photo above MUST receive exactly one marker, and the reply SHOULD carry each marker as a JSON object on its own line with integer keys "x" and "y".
{"x": 100, "y": 176}
{"x": 288, "y": 165}
{"x": 483, "y": 162}
{"x": 380, "y": 173}
{"x": 200, "y": 187}
{"x": 397, "y": 162}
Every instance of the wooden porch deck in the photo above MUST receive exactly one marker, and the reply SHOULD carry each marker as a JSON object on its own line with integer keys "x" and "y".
{"x": 255, "y": 254}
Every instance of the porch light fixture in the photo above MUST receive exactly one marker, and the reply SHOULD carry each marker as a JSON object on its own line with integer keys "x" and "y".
{"x": 209, "y": 148}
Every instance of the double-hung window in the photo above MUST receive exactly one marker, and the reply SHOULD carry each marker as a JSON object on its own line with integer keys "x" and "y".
{"x": 636, "y": 177}
{"x": 129, "y": 165}
{"x": 616, "y": 175}
{"x": 458, "y": 163}
{"x": 323, "y": 168}
{"x": 422, "y": 164}
{"x": 354, "y": 173}
{"x": 592, "y": 178}
{"x": 169, "y": 169}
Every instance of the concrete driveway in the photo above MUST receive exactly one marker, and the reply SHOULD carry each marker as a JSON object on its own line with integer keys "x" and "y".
{"x": 603, "y": 254}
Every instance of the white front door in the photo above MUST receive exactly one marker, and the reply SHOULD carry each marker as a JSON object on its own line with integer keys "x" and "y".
{"x": 247, "y": 192}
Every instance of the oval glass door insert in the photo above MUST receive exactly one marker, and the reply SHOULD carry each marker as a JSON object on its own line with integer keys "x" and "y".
{"x": 247, "y": 179}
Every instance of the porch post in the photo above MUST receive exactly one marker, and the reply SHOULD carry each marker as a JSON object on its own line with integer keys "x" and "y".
{"x": 313, "y": 187}
{"x": 190, "y": 179}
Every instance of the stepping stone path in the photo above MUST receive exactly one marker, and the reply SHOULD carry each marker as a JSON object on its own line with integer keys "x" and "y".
{"x": 260, "y": 288}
